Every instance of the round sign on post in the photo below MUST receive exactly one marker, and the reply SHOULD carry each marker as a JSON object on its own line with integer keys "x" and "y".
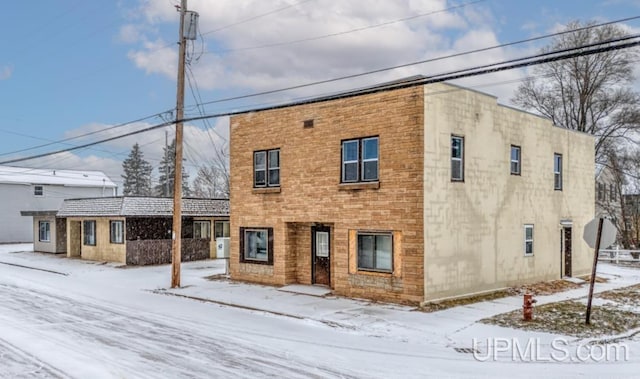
{"x": 608, "y": 236}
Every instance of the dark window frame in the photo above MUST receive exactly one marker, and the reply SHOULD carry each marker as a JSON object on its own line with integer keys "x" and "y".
{"x": 85, "y": 240}
{"x": 47, "y": 230}
{"x": 374, "y": 233}
{"x": 612, "y": 192}
{"x": 360, "y": 161}
{"x": 461, "y": 158}
{"x": 111, "y": 231}
{"x": 269, "y": 260}
{"x": 600, "y": 192}
{"x": 557, "y": 172}
{"x": 518, "y": 161}
{"x": 267, "y": 168}
{"x": 200, "y": 228}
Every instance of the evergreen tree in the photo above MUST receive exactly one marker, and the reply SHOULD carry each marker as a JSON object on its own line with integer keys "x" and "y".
{"x": 167, "y": 171}
{"x": 137, "y": 173}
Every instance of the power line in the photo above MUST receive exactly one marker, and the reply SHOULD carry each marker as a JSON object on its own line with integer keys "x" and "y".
{"x": 417, "y": 62}
{"x": 459, "y": 74}
{"x": 345, "y": 31}
{"x": 80, "y": 135}
{"x": 255, "y": 17}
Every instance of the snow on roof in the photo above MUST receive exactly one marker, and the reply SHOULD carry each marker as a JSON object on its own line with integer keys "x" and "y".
{"x": 141, "y": 206}
{"x": 70, "y": 178}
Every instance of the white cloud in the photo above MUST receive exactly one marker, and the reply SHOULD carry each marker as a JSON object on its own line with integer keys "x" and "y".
{"x": 157, "y": 57}
{"x": 234, "y": 61}
{"x": 5, "y": 72}
{"x": 130, "y": 33}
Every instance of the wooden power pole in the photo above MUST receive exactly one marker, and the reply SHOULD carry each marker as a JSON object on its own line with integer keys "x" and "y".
{"x": 176, "y": 236}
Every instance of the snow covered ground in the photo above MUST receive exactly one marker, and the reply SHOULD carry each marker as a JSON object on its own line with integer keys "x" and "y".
{"x": 66, "y": 318}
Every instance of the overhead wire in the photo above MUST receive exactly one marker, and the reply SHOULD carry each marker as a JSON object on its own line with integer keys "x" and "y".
{"x": 80, "y": 135}
{"x": 345, "y": 31}
{"x": 458, "y": 74}
{"x": 254, "y": 17}
{"x": 430, "y": 60}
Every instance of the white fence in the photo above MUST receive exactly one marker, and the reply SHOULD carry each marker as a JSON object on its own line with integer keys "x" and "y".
{"x": 619, "y": 255}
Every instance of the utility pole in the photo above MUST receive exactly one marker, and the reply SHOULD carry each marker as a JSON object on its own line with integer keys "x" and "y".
{"x": 176, "y": 236}
{"x": 166, "y": 159}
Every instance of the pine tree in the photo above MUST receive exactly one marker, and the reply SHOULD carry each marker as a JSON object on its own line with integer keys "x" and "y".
{"x": 137, "y": 173}
{"x": 167, "y": 171}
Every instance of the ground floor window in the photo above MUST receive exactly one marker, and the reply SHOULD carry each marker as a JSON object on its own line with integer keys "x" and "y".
{"x": 89, "y": 232}
{"x": 256, "y": 245}
{"x": 528, "y": 240}
{"x": 202, "y": 229}
{"x": 375, "y": 251}
{"x": 117, "y": 231}
{"x": 44, "y": 234}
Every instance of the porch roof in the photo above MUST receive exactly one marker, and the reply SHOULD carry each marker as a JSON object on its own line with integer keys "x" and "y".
{"x": 133, "y": 206}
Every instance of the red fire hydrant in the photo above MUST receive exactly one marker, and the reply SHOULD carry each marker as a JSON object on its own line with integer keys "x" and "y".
{"x": 527, "y": 307}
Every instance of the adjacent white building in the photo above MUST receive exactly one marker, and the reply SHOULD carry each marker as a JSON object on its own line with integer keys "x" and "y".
{"x": 40, "y": 190}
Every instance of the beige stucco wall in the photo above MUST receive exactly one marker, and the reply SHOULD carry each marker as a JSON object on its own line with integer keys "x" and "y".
{"x": 474, "y": 230}
{"x": 104, "y": 250}
{"x": 46, "y": 247}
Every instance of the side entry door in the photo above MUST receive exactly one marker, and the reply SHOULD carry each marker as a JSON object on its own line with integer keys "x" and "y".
{"x": 321, "y": 255}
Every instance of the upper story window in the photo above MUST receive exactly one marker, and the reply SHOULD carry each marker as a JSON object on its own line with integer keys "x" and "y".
{"x": 266, "y": 168}
{"x": 457, "y": 158}
{"x": 202, "y": 229}
{"x": 360, "y": 160}
{"x": 116, "y": 234}
{"x": 44, "y": 232}
{"x": 612, "y": 192}
{"x": 557, "y": 172}
{"x": 89, "y": 232}
{"x": 601, "y": 192}
{"x": 38, "y": 190}
{"x": 515, "y": 160}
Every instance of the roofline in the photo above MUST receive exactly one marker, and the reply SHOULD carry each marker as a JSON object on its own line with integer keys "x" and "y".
{"x": 38, "y": 213}
{"x": 344, "y": 95}
{"x": 145, "y": 197}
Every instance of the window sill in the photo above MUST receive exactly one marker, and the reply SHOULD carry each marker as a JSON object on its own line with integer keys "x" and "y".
{"x": 256, "y": 262}
{"x": 267, "y": 190}
{"x": 358, "y": 186}
{"x": 381, "y": 273}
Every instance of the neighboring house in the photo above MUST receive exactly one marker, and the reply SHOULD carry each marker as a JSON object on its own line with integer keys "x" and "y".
{"x": 36, "y": 190}
{"x": 608, "y": 191}
{"x": 410, "y": 194}
{"x": 609, "y": 197}
{"x": 631, "y": 228}
{"x": 138, "y": 230}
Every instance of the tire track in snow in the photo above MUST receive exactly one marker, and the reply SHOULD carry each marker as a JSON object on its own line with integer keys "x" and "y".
{"x": 142, "y": 347}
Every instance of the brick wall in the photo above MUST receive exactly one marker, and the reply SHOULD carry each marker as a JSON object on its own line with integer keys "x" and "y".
{"x": 310, "y": 192}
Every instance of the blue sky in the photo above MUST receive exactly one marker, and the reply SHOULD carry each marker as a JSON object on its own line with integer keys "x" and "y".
{"x": 69, "y": 67}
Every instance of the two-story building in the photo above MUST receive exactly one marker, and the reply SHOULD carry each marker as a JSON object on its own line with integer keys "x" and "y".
{"x": 41, "y": 192}
{"x": 408, "y": 194}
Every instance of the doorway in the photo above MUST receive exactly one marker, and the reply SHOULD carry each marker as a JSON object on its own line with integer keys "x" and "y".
{"x": 321, "y": 255}
{"x": 566, "y": 248}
